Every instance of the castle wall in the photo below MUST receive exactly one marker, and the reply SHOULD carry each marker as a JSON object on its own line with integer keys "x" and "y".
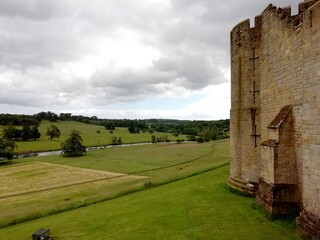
{"x": 273, "y": 65}
{"x": 245, "y": 110}
{"x": 310, "y": 152}
{"x": 282, "y": 61}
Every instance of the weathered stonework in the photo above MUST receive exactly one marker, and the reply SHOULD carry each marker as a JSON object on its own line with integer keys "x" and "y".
{"x": 275, "y": 111}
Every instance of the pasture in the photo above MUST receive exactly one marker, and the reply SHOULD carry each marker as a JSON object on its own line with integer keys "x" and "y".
{"x": 93, "y": 135}
{"x": 38, "y": 186}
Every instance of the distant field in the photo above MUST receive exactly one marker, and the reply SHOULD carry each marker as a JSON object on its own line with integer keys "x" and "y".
{"x": 68, "y": 183}
{"x": 89, "y": 133}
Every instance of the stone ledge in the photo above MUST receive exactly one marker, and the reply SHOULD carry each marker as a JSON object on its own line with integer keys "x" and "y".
{"x": 242, "y": 185}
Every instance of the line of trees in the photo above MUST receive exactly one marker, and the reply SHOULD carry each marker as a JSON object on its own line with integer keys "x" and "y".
{"x": 207, "y": 130}
{"x": 71, "y": 147}
{"x": 35, "y": 119}
{"x": 27, "y": 133}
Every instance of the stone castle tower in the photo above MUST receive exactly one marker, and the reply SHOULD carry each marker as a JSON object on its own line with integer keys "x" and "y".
{"x": 275, "y": 112}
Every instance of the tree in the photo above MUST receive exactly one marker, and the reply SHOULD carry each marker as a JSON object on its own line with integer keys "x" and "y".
{"x": 65, "y": 116}
{"x": 53, "y": 132}
{"x": 11, "y": 133}
{"x": 7, "y": 149}
{"x": 110, "y": 125}
{"x": 116, "y": 141}
{"x": 26, "y": 133}
{"x": 73, "y": 146}
{"x": 35, "y": 134}
{"x": 153, "y": 139}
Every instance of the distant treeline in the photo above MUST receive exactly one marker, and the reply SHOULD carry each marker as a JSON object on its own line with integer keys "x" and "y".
{"x": 35, "y": 119}
{"x": 208, "y": 130}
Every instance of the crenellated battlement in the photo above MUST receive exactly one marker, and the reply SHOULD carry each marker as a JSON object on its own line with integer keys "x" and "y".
{"x": 283, "y": 14}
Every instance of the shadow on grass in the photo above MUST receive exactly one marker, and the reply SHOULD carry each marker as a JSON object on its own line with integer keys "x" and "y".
{"x": 288, "y": 220}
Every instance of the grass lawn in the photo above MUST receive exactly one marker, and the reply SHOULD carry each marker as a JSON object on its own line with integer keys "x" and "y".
{"x": 134, "y": 159}
{"x": 89, "y": 133}
{"x": 198, "y": 207}
{"x": 66, "y": 187}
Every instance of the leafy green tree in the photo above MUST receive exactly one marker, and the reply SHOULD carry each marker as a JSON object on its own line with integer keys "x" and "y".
{"x": 192, "y": 138}
{"x": 133, "y": 129}
{"x": 7, "y": 147}
{"x": 35, "y": 134}
{"x": 116, "y": 141}
{"x": 12, "y": 133}
{"x": 110, "y": 125}
{"x": 200, "y": 140}
{"x": 153, "y": 139}
{"x": 163, "y": 139}
{"x": 26, "y": 133}
{"x": 53, "y": 132}
{"x": 206, "y": 134}
{"x": 73, "y": 146}
{"x": 65, "y": 116}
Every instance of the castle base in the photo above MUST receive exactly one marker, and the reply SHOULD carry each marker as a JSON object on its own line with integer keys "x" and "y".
{"x": 278, "y": 199}
{"x": 242, "y": 185}
{"x": 309, "y": 224}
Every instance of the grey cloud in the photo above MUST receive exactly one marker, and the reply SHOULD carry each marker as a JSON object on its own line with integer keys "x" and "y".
{"x": 36, "y": 43}
{"x": 212, "y": 21}
{"x": 188, "y": 71}
{"x": 192, "y": 71}
{"x": 128, "y": 84}
{"x": 44, "y": 32}
{"x": 32, "y": 9}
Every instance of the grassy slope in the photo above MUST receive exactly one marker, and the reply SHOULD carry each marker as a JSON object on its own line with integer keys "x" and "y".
{"x": 88, "y": 133}
{"x": 199, "y": 207}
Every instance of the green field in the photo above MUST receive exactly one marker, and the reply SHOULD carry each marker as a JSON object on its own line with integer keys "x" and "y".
{"x": 156, "y": 163}
{"x": 89, "y": 133}
{"x": 165, "y": 191}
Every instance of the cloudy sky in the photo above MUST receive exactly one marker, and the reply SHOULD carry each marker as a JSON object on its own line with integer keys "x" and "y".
{"x": 120, "y": 58}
